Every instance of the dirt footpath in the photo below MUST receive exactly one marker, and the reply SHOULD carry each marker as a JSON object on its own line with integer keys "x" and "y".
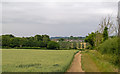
{"x": 76, "y": 64}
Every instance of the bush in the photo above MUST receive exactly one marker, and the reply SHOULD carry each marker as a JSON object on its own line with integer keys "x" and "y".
{"x": 52, "y": 45}
{"x": 110, "y": 47}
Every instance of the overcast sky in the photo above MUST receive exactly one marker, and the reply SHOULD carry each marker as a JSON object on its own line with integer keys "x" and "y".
{"x": 56, "y": 18}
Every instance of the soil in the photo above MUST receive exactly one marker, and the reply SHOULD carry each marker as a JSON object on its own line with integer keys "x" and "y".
{"x": 76, "y": 64}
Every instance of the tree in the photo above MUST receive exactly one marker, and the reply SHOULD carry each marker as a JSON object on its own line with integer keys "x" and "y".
{"x": 36, "y": 41}
{"x": 0, "y": 41}
{"x": 6, "y": 40}
{"x": 52, "y": 45}
{"x": 30, "y": 42}
{"x": 71, "y": 37}
{"x": 107, "y": 22}
{"x": 15, "y": 42}
{"x": 38, "y": 38}
{"x": 61, "y": 39}
{"x": 105, "y": 34}
{"x": 46, "y": 39}
{"x": 23, "y": 42}
{"x": 91, "y": 39}
{"x": 98, "y": 38}
{"x": 64, "y": 45}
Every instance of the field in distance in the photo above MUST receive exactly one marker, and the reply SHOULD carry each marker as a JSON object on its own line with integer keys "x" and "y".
{"x": 22, "y": 60}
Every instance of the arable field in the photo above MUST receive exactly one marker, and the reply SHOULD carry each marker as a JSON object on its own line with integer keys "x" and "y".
{"x": 30, "y": 60}
{"x": 93, "y": 61}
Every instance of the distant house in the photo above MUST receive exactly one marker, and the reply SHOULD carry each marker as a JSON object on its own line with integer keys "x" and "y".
{"x": 68, "y": 40}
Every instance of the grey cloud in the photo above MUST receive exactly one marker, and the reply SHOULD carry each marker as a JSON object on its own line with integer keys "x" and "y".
{"x": 55, "y": 19}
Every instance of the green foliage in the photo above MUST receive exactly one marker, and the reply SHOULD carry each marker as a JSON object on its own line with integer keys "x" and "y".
{"x": 94, "y": 61}
{"x": 64, "y": 45}
{"x": 10, "y": 41}
{"x": 6, "y": 40}
{"x": 38, "y": 38}
{"x": 90, "y": 39}
{"x": 76, "y": 38}
{"x": 110, "y": 47}
{"x": 61, "y": 39}
{"x": 98, "y": 38}
{"x": 52, "y": 45}
{"x": 15, "y": 42}
{"x": 105, "y": 34}
{"x": 0, "y": 41}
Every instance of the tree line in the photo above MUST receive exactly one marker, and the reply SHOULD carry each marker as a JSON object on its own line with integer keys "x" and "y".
{"x": 38, "y": 41}
{"x": 102, "y": 42}
{"x": 106, "y": 28}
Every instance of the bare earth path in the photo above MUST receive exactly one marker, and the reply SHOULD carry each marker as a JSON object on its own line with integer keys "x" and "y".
{"x": 76, "y": 64}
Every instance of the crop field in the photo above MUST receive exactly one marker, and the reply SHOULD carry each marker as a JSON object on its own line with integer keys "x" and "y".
{"x": 22, "y": 60}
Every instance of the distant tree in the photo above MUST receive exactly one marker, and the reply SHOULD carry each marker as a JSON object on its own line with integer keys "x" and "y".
{"x": 30, "y": 42}
{"x": 105, "y": 34}
{"x": 36, "y": 41}
{"x": 90, "y": 39}
{"x": 107, "y": 22}
{"x": 23, "y": 42}
{"x": 46, "y": 39}
{"x": 38, "y": 38}
{"x": 52, "y": 45}
{"x": 64, "y": 45}
{"x": 9, "y": 35}
{"x": 6, "y": 40}
{"x": 98, "y": 38}
{"x": 74, "y": 45}
{"x": 71, "y": 37}
{"x": 15, "y": 42}
{"x": 61, "y": 39}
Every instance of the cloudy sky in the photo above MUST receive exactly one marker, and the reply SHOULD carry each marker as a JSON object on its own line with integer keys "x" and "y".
{"x": 55, "y": 18}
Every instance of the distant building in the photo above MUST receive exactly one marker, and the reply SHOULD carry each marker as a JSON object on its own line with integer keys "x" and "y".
{"x": 68, "y": 40}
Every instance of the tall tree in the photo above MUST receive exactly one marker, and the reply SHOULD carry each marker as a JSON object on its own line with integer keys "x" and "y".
{"x": 108, "y": 22}
{"x": 91, "y": 39}
{"x": 38, "y": 38}
{"x": 98, "y": 38}
{"x": 105, "y": 34}
{"x": 6, "y": 39}
{"x": 46, "y": 39}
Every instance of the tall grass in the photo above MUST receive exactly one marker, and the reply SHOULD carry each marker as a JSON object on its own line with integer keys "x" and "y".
{"x": 94, "y": 61}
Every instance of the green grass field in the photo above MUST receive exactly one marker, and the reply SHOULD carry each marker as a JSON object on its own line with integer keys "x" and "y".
{"x": 22, "y": 60}
{"x": 93, "y": 61}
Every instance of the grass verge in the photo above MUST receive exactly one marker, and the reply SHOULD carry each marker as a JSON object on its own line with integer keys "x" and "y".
{"x": 93, "y": 61}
